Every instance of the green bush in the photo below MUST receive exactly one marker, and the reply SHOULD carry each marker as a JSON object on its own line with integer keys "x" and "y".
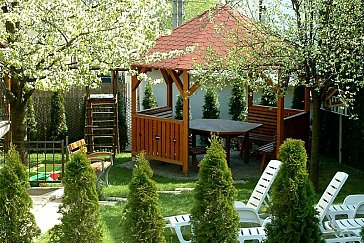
{"x": 57, "y": 129}
{"x": 142, "y": 220}
{"x": 80, "y": 220}
{"x": 123, "y": 129}
{"x": 210, "y": 108}
{"x": 362, "y": 233}
{"x": 298, "y": 101}
{"x": 268, "y": 97}
{"x": 294, "y": 218}
{"x": 17, "y": 223}
{"x": 179, "y": 108}
{"x": 149, "y": 100}
{"x": 237, "y": 102}
{"x": 213, "y": 216}
{"x": 31, "y": 122}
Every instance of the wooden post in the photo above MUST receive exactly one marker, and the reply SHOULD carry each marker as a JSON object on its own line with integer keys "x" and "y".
{"x": 280, "y": 116}
{"x": 185, "y": 127}
{"x": 307, "y": 99}
{"x": 169, "y": 93}
{"x": 134, "y": 86}
{"x": 114, "y": 80}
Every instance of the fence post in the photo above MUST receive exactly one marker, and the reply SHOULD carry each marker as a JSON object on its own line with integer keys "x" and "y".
{"x": 67, "y": 155}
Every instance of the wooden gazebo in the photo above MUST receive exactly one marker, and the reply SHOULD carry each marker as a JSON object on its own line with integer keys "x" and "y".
{"x": 155, "y": 131}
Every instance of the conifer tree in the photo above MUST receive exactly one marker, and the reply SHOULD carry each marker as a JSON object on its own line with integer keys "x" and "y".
{"x": 179, "y": 108}
{"x": 268, "y": 97}
{"x": 123, "y": 128}
{"x": 294, "y": 218}
{"x": 210, "y": 108}
{"x": 17, "y": 223}
{"x": 31, "y": 122}
{"x": 58, "y": 125}
{"x": 142, "y": 219}
{"x": 149, "y": 100}
{"x": 237, "y": 102}
{"x": 298, "y": 101}
{"x": 80, "y": 220}
{"x": 213, "y": 216}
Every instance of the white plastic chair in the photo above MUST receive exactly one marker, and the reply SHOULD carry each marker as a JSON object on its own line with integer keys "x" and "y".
{"x": 352, "y": 205}
{"x": 249, "y": 212}
{"x": 328, "y": 198}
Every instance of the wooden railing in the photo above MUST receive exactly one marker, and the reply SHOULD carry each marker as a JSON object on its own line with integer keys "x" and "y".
{"x": 297, "y": 126}
{"x": 296, "y": 123}
{"x": 157, "y": 136}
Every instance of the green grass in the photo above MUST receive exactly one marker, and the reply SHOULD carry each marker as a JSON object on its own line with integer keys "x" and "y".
{"x": 172, "y": 204}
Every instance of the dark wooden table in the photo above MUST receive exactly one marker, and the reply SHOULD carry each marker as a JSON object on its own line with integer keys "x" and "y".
{"x": 226, "y": 129}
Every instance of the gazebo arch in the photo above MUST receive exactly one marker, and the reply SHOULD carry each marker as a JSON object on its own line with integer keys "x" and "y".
{"x": 155, "y": 131}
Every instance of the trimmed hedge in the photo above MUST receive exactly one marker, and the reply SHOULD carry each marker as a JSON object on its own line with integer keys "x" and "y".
{"x": 149, "y": 100}
{"x": 57, "y": 129}
{"x": 17, "y": 223}
{"x": 213, "y": 216}
{"x": 294, "y": 218}
{"x": 80, "y": 208}
{"x": 142, "y": 219}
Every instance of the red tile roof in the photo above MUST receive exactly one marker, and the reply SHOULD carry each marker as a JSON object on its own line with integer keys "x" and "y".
{"x": 208, "y": 30}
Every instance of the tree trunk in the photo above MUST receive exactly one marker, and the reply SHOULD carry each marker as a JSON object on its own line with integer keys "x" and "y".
{"x": 18, "y": 126}
{"x": 314, "y": 165}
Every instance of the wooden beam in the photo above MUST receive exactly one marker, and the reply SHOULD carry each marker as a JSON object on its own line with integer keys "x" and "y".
{"x": 185, "y": 126}
{"x": 177, "y": 81}
{"x": 194, "y": 87}
{"x": 169, "y": 83}
{"x": 134, "y": 82}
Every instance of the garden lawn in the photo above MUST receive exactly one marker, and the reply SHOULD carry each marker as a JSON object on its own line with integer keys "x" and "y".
{"x": 172, "y": 204}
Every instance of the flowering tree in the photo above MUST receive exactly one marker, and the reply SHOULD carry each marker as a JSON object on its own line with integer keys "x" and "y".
{"x": 317, "y": 43}
{"x": 53, "y": 45}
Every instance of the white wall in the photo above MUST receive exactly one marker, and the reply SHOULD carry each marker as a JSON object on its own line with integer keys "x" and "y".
{"x": 197, "y": 99}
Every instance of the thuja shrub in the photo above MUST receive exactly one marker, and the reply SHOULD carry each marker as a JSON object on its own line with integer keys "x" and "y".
{"x": 57, "y": 129}
{"x": 210, "y": 109}
{"x": 179, "y": 108}
{"x": 17, "y": 223}
{"x": 237, "y": 101}
{"x": 142, "y": 219}
{"x": 123, "y": 128}
{"x": 294, "y": 218}
{"x": 213, "y": 216}
{"x": 80, "y": 220}
{"x": 268, "y": 97}
{"x": 31, "y": 121}
{"x": 149, "y": 100}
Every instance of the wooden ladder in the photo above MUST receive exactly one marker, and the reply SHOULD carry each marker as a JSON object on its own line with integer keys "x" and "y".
{"x": 101, "y": 123}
